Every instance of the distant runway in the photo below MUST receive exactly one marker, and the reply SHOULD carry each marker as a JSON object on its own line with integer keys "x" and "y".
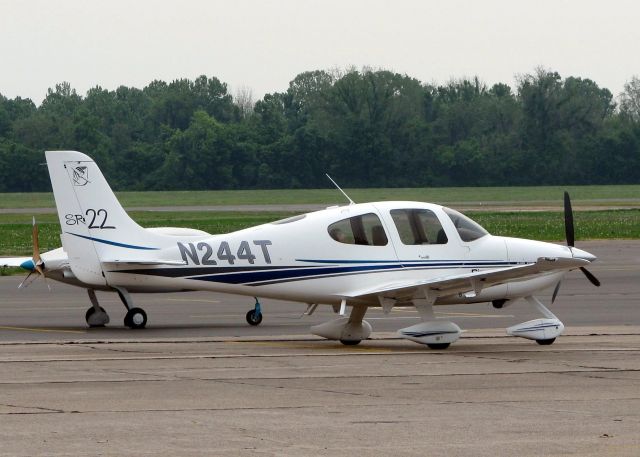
{"x": 39, "y": 315}
{"x": 597, "y": 205}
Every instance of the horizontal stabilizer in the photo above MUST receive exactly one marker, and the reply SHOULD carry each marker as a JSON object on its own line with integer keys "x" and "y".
{"x": 6, "y": 262}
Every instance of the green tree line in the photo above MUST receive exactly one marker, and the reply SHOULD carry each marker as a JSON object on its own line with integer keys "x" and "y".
{"x": 367, "y": 128}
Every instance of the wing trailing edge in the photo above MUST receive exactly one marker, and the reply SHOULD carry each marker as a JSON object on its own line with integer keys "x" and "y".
{"x": 469, "y": 282}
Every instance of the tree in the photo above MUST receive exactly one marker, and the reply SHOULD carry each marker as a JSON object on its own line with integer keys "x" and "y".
{"x": 630, "y": 99}
{"x": 244, "y": 101}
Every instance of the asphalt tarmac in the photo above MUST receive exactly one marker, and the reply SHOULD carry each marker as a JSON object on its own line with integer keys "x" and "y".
{"x": 200, "y": 381}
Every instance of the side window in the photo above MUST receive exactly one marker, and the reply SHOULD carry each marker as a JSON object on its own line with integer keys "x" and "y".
{"x": 418, "y": 226}
{"x": 365, "y": 230}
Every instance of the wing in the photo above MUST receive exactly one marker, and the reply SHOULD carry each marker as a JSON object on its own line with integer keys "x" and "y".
{"x": 468, "y": 282}
{"x": 13, "y": 261}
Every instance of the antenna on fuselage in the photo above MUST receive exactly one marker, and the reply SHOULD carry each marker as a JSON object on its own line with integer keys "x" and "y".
{"x": 351, "y": 202}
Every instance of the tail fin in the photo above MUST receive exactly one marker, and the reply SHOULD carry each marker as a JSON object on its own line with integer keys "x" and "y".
{"x": 94, "y": 224}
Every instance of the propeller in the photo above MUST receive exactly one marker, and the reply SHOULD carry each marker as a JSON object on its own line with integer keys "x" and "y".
{"x": 571, "y": 240}
{"x": 37, "y": 264}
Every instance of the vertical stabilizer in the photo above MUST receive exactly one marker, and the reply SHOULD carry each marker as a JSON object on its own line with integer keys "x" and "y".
{"x": 94, "y": 225}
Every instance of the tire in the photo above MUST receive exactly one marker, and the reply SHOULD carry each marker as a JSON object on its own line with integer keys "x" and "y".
{"x": 438, "y": 345}
{"x": 350, "y": 342}
{"x": 90, "y": 313}
{"x": 254, "y": 318}
{"x": 546, "y": 342}
{"x": 135, "y": 318}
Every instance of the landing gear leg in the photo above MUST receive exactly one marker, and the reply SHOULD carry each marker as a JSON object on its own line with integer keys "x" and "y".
{"x": 348, "y": 330}
{"x": 543, "y": 331}
{"x": 135, "y": 317}
{"x": 355, "y": 319}
{"x": 254, "y": 316}
{"x": 95, "y": 316}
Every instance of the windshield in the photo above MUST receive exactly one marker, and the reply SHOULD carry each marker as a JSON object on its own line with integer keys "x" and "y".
{"x": 468, "y": 229}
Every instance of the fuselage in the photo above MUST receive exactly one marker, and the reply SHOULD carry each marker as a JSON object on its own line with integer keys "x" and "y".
{"x": 321, "y": 256}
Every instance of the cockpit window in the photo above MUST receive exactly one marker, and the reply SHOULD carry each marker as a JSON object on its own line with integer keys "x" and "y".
{"x": 365, "y": 230}
{"x": 468, "y": 229}
{"x": 418, "y": 226}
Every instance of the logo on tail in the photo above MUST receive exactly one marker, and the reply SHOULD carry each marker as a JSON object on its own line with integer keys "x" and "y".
{"x": 80, "y": 176}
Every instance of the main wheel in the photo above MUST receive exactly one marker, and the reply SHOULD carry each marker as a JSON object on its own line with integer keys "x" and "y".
{"x": 254, "y": 318}
{"x": 438, "y": 345}
{"x": 546, "y": 342}
{"x": 90, "y": 312}
{"x": 350, "y": 342}
{"x": 135, "y": 318}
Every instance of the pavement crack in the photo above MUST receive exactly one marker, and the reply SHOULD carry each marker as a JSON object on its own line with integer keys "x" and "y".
{"x": 121, "y": 351}
{"x": 38, "y": 409}
{"x": 257, "y": 384}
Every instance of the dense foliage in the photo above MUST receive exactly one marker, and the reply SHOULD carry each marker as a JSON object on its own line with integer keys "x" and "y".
{"x": 366, "y": 128}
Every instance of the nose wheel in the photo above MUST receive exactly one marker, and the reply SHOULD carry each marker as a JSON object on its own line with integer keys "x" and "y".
{"x": 254, "y": 316}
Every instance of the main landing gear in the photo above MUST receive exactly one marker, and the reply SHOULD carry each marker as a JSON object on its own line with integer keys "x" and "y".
{"x": 135, "y": 317}
{"x": 436, "y": 334}
{"x": 543, "y": 331}
{"x": 254, "y": 316}
{"x": 350, "y": 331}
{"x": 95, "y": 316}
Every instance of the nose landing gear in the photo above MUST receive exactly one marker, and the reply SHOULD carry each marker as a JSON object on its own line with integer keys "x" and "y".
{"x": 254, "y": 316}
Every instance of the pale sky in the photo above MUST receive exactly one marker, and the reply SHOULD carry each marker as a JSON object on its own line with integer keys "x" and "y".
{"x": 265, "y": 44}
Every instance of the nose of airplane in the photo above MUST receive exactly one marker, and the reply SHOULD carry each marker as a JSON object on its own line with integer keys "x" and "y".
{"x": 584, "y": 255}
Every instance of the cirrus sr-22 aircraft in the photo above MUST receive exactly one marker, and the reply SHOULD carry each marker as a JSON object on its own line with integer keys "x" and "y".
{"x": 353, "y": 257}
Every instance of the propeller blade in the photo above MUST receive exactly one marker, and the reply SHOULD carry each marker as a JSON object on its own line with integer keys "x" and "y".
{"x": 24, "y": 281}
{"x": 555, "y": 292}
{"x": 568, "y": 221}
{"x": 37, "y": 260}
{"x": 590, "y": 277}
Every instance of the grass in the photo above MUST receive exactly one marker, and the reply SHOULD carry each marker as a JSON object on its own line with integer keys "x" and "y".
{"x": 15, "y": 229}
{"x": 549, "y": 226}
{"x": 532, "y": 196}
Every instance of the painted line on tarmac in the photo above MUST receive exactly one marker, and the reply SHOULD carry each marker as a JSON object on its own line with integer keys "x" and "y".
{"x": 214, "y": 316}
{"x": 40, "y": 330}
{"x": 293, "y": 345}
{"x": 50, "y": 308}
{"x": 451, "y": 313}
{"x": 193, "y": 300}
{"x": 473, "y": 314}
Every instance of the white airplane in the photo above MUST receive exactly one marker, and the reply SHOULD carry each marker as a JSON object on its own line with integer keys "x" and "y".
{"x": 383, "y": 254}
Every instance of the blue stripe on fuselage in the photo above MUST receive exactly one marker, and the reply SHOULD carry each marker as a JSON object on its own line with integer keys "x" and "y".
{"x": 274, "y": 275}
{"x": 113, "y": 243}
{"x": 259, "y": 276}
{"x": 296, "y": 274}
